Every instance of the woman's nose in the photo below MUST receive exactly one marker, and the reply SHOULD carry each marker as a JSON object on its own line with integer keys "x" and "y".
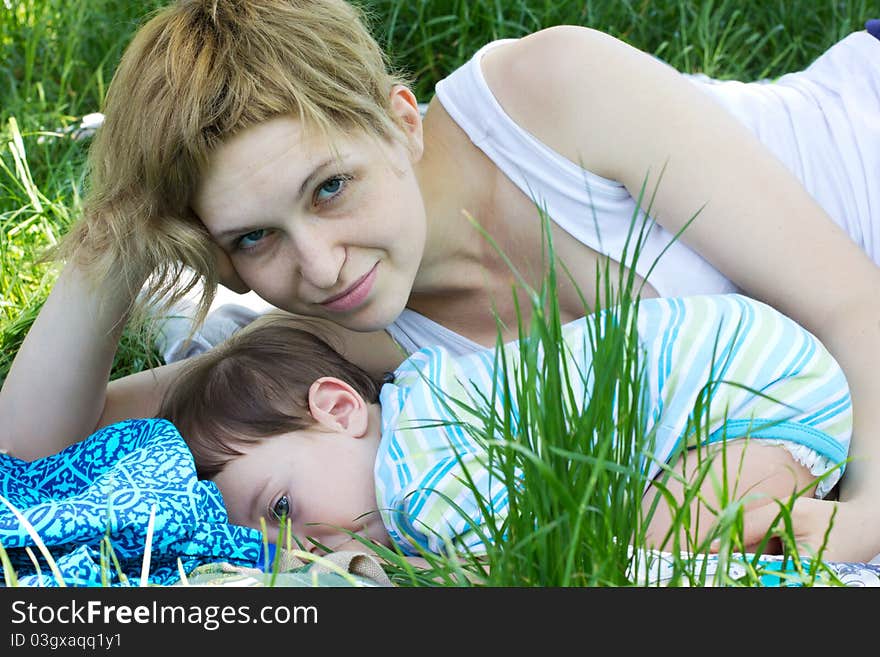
{"x": 320, "y": 263}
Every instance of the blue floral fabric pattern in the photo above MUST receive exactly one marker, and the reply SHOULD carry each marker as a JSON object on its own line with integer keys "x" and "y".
{"x": 106, "y": 486}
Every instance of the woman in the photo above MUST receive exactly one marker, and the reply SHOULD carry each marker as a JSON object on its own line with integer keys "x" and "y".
{"x": 279, "y": 155}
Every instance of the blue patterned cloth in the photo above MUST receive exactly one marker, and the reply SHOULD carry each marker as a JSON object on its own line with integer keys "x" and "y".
{"x": 106, "y": 486}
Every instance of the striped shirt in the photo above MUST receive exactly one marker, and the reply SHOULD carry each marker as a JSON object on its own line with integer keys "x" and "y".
{"x": 427, "y": 454}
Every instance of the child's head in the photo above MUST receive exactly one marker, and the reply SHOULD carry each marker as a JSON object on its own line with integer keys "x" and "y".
{"x": 197, "y": 73}
{"x": 285, "y": 426}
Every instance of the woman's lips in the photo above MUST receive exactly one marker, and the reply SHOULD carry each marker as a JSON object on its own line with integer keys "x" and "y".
{"x": 353, "y": 296}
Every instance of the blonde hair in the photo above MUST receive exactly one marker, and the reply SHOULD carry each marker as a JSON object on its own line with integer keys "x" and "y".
{"x": 198, "y": 72}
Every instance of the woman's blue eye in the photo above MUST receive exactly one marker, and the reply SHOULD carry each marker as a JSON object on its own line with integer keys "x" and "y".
{"x": 281, "y": 509}
{"x": 330, "y": 188}
{"x": 249, "y": 241}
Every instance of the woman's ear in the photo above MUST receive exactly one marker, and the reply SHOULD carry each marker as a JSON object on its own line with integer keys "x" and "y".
{"x": 336, "y": 406}
{"x": 406, "y": 108}
{"x": 226, "y": 271}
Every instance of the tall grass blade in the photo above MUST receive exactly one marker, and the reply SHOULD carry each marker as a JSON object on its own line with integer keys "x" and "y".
{"x": 148, "y": 548}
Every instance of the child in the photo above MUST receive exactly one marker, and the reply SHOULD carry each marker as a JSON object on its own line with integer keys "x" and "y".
{"x": 287, "y": 428}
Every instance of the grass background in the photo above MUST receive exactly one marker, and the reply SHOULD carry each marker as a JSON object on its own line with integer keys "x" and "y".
{"x": 57, "y": 57}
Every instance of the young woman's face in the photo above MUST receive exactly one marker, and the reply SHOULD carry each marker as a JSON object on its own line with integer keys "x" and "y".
{"x": 339, "y": 238}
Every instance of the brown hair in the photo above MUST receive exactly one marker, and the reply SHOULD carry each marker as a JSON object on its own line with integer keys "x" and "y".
{"x": 198, "y": 72}
{"x": 253, "y": 386}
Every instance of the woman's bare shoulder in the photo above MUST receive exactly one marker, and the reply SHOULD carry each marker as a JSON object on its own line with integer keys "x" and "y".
{"x": 513, "y": 69}
{"x": 568, "y": 79}
{"x": 547, "y": 51}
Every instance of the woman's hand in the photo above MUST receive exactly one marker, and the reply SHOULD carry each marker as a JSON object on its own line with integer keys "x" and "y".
{"x": 833, "y": 530}
{"x": 850, "y": 538}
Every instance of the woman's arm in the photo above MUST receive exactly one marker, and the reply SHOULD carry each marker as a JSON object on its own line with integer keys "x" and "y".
{"x": 625, "y": 115}
{"x": 56, "y": 392}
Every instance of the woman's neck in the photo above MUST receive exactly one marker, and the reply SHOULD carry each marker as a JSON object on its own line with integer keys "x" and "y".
{"x": 457, "y": 191}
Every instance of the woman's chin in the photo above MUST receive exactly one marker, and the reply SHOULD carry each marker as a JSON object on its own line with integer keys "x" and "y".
{"x": 375, "y": 315}
{"x": 368, "y": 323}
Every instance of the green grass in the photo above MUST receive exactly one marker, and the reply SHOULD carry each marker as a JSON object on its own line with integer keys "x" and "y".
{"x": 57, "y": 57}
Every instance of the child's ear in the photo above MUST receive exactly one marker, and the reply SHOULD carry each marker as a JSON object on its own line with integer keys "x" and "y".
{"x": 336, "y": 406}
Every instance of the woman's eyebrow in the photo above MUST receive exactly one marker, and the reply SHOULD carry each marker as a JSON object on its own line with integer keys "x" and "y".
{"x": 235, "y": 232}
{"x": 314, "y": 174}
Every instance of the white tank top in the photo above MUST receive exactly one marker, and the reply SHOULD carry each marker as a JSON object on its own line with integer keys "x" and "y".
{"x": 823, "y": 123}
